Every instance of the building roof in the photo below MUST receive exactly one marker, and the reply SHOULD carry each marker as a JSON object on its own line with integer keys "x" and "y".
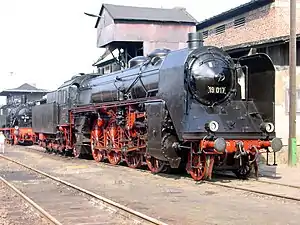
{"x": 260, "y": 43}
{"x": 24, "y": 88}
{"x": 127, "y": 13}
{"x": 241, "y": 9}
{"x": 107, "y": 56}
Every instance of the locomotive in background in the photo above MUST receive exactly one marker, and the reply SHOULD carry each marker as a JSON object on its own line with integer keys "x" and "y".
{"x": 16, "y": 119}
{"x": 171, "y": 109}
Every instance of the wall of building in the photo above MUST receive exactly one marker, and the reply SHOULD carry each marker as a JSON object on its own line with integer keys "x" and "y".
{"x": 35, "y": 96}
{"x": 145, "y": 32}
{"x": 282, "y": 17}
{"x": 149, "y": 46}
{"x": 30, "y": 97}
{"x": 104, "y": 29}
{"x": 172, "y": 35}
{"x": 282, "y": 103}
{"x": 266, "y": 22}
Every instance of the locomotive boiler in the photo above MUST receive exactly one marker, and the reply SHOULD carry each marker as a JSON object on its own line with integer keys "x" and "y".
{"x": 183, "y": 108}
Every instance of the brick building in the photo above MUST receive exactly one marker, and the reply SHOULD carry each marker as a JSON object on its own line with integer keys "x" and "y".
{"x": 263, "y": 26}
{"x": 253, "y": 21}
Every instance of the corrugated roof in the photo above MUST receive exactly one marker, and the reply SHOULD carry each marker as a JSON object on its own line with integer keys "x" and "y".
{"x": 241, "y": 9}
{"x": 120, "y": 12}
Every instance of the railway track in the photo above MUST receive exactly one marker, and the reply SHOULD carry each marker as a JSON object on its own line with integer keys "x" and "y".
{"x": 15, "y": 210}
{"x": 282, "y": 191}
{"x": 266, "y": 188}
{"x": 262, "y": 181}
{"x": 285, "y": 185}
{"x": 66, "y": 203}
{"x": 46, "y": 215}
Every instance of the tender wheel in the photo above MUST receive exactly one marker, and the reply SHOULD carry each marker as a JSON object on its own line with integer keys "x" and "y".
{"x": 155, "y": 165}
{"x": 133, "y": 160}
{"x": 196, "y": 166}
{"x": 114, "y": 157}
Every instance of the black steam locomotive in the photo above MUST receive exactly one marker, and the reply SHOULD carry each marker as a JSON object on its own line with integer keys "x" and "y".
{"x": 16, "y": 119}
{"x": 172, "y": 109}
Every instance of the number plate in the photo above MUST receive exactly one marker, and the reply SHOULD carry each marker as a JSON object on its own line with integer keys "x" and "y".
{"x": 216, "y": 90}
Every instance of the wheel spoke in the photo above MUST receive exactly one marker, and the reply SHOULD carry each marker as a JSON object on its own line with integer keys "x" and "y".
{"x": 114, "y": 157}
{"x": 155, "y": 165}
{"x": 133, "y": 160}
{"x": 76, "y": 152}
{"x": 98, "y": 155}
{"x": 196, "y": 166}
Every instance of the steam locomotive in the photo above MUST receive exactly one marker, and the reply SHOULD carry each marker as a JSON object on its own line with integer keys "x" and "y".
{"x": 16, "y": 123}
{"x": 194, "y": 108}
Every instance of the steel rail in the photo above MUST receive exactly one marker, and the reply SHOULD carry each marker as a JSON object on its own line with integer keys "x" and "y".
{"x": 263, "y": 181}
{"x": 36, "y": 206}
{"x": 274, "y": 183}
{"x": 254, "y": 191}
{"x": 101, "y": 198}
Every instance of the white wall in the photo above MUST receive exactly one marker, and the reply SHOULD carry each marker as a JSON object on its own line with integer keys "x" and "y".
{"x": 281, "y": 115}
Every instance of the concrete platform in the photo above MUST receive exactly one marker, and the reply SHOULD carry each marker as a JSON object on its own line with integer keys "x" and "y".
{"x": 281, "y": 174}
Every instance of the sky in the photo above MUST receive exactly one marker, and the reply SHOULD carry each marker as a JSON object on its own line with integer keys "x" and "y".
{"x": 45, "y": 42}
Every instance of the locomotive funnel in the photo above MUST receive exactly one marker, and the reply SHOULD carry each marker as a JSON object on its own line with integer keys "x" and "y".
{"x": 195, "y": 40}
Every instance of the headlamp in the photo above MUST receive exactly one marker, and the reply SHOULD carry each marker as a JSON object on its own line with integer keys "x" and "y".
{"x": 267, "y": 127}
{"x": 212, "y": 126}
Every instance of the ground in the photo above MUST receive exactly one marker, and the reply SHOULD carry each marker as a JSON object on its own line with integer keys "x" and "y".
{"x": 15, "y": 211}
{"x": 172, "y": 199}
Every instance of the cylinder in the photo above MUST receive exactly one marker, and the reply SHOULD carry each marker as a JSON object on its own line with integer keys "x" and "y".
{"x": 195, "y": 40}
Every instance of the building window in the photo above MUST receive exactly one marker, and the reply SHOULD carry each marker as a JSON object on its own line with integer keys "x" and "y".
{"x": 107, "y": 69}
{"x": 239, "y": 22}
{"x": 205, "y": 34}
{"x": 287, "y": 100}
{"x": 59, "y": 97}
{"x": 220, "y": 29}
{"x": 65, "y": 97}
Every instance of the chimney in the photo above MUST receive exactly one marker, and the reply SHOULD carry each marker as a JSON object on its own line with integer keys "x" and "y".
{"x": 195, "y": 40}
